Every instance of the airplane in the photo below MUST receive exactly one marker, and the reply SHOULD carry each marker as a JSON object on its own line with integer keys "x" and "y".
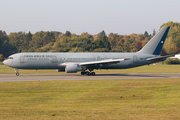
{"x": 87, "y": 62}
{"x": 177, "y": 56}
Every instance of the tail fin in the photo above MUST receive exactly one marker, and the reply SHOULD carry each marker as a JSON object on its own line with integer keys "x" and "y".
{"x": 155, "y": 45}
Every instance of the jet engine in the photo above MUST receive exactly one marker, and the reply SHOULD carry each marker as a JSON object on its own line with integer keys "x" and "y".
{"x": 73, "y": 68}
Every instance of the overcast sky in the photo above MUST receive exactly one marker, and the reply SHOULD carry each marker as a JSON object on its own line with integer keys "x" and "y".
{"x": 92, "y": 16}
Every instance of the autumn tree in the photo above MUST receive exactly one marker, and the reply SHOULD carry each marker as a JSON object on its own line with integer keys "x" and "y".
{"x": 68, "y": 33}
{"x": 1, "y": 57}
{"x": 146, "y": 34}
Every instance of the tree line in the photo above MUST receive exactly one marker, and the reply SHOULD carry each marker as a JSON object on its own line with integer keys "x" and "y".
{"x": 53, "y": 41}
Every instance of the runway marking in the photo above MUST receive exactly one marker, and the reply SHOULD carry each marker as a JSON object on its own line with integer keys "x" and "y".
{"x": 174, "y": 77}
{"x": 42, "y": 77}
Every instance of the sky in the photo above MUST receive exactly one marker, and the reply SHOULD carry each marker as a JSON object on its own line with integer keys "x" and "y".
{"x": 92, "y": 16}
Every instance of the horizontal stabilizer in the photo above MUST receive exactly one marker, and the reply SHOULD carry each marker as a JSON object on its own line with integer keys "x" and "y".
{"x": 160, "y": 57}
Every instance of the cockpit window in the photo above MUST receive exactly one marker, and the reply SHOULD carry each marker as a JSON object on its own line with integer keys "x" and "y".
{"x": 10, "y": 58}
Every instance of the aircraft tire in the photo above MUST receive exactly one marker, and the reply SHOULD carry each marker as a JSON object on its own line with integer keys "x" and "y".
{"x": 93, "y": 73}
{"x": 17, "y": 74}
{"x": 82, "y": 73}
{"x": 88, "y": 74}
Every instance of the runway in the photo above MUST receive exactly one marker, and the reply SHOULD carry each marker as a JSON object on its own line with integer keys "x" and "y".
{"x": 43, "y": 77}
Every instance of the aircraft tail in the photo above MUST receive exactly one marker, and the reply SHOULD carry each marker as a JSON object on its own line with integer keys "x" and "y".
{"x": 154, "y": 46}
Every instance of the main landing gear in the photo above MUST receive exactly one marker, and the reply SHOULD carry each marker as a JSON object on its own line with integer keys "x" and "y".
{"x": 16, "y": 70}
{"x": 88, "y": 73}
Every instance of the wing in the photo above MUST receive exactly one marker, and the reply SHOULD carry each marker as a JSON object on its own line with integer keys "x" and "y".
{"x": 104, "y": 62}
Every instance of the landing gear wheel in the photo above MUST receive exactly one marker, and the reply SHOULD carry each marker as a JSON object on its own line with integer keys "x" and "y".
{"x": 93, "y": 73}
{"x": 82, "y": 73}
{"x": 17, "y": 74}
{"x": 88, "y": 74}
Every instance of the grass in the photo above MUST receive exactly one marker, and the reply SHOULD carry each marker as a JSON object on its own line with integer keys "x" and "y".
{"x": 136, "y": 99}
{"x": 143, "y": 69}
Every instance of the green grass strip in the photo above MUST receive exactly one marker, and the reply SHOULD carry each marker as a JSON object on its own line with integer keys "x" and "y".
{"x": 136, "y": 99}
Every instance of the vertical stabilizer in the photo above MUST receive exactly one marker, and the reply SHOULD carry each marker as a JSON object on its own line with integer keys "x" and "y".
{"x": 154, "y": 46}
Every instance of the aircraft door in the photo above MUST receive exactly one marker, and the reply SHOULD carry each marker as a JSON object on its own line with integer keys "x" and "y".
{"x": 98, "y": 58}
{"x": 135, "y": 59}
{"x": 22, "y": 59}
{"x": 54, "y": 59}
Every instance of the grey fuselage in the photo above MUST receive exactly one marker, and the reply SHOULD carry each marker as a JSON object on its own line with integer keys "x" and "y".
{"x": 55, "y": 60}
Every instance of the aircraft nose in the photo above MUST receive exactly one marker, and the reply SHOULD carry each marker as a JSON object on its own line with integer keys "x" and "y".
{"x": 4, "y": 62}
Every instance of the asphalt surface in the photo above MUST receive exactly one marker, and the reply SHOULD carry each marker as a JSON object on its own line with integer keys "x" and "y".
{"x": 42, "y": 77}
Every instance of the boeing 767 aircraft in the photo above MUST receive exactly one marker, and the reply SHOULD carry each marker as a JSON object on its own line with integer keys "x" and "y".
{"x": 87, "y": 62}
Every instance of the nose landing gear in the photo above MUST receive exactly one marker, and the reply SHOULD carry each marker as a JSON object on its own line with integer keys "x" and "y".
{"x": 17, "y": 73}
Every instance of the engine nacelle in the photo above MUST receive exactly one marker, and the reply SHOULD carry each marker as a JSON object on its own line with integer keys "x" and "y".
{"x": 73, "y": 68}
